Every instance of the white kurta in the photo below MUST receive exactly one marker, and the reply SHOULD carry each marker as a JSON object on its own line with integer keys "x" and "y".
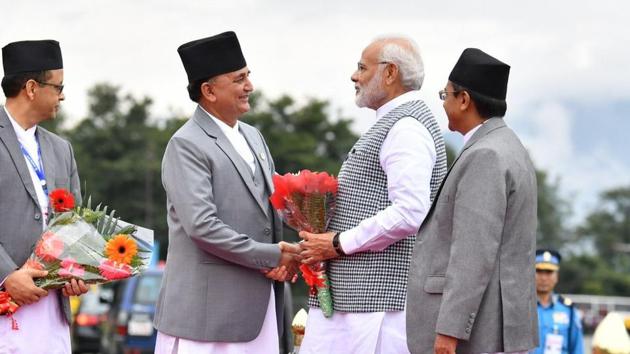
{"x": 267, "y": 340}
{"x": 43, "y": 326}
{"x": 407, "y": 156}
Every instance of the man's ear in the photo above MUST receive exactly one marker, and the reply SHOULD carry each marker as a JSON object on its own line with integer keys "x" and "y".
{"x": 207, "y": 91}
{"x": 391, "y": 73}
{"x": 30, "y": 87}
{"x": 465, "y": 101}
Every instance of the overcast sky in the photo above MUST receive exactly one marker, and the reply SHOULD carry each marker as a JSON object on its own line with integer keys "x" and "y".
{"x": 568, "y": 96}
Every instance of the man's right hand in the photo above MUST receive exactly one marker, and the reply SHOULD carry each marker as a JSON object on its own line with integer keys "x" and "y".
{"x": 21, "y": 287}
{"x": 289, "y": 263}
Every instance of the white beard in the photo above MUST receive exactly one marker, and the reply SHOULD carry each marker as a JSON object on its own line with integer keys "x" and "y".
{"x": 371, "y": 92}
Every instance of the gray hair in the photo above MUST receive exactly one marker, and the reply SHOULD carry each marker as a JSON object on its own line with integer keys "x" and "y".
{"x": 405, "y": 54}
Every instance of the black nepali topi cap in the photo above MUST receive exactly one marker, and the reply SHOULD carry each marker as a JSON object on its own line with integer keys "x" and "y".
{"x": 212, "y": 56}
{"x": 28, "y": 56}
{"x": 481, "y": 73}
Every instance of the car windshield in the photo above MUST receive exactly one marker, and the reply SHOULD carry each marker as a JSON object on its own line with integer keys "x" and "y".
{"x": 148, "y": 289}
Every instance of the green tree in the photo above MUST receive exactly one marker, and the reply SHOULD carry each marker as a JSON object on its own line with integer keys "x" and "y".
{"x": 301, "y": 137}
{"x": 607, "y": 270}
{"x": 451, "y": 155}
{"x": 119, "y": 150}
{"x": 553, "y": 210}
{"x": 609, "y": 228}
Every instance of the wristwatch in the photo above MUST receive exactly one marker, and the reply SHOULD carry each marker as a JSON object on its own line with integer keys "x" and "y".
{"x": 337, "y": 245}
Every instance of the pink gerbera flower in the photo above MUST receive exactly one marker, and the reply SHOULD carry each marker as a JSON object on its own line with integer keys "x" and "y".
{"x": 49, "y": 248}
{"x": 111, "y": 270}
{"x": 70, "y": 268}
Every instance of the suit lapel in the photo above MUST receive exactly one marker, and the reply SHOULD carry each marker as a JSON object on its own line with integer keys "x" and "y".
{"x": 259, "y": 152}
{"x": 212, "y": 129}
{"x": 9, "y": 139}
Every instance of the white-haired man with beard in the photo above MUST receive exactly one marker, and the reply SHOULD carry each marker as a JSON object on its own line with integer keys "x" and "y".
{"x": 386, "y": 186}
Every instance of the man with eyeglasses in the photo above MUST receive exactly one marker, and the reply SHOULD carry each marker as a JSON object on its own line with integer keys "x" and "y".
{"x": 471, "y": 282}
{"x": 386, "y": 186}
{"x": 34, "y": 162}
{"x": 559, "y": 324}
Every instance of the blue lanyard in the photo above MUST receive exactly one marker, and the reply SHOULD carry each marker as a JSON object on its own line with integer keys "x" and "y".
{"x": 39, "y": 169}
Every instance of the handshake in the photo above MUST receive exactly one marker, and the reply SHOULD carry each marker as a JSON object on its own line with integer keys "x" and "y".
{"x": 290, "y": 261}
{"x": 314, "y": 248}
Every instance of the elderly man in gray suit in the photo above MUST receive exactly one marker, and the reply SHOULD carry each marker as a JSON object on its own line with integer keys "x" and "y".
{"x": 471, "y": 282}
{"x": 33, "y": 162}
{"x": 216, "y": 294}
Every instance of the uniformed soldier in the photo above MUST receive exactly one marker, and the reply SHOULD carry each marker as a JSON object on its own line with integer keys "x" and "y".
{"x": 559, "y": 324}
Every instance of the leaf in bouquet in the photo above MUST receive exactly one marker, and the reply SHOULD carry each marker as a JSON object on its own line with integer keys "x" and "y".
{"x": 100, "y": 221}
{"x": 109, "y": 223}
{"x": 136, "y": 262}
{"x": 61, "y": 218}
{"x": 91, "y": 216}
{"x": 127, "y": 230}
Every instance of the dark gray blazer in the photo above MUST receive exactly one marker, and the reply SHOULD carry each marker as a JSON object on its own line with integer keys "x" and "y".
{"x": 472, "y": 270}
{"x": 20, "y": 215}
{"x": 220, "y": 236}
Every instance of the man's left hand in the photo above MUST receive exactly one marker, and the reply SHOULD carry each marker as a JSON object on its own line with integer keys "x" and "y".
{"x": 445, "y": 344}
{"x": 74, "y": 288}
{"x": 317, "y": 247}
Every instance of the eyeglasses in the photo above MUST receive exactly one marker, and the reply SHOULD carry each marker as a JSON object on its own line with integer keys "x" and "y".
{"x": 362, "y": 67}
{"x": 58, "y": 87}
{"x": 443, "y": 94}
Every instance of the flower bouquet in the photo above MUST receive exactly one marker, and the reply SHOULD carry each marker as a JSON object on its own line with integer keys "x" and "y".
{"x": 306, "y": 202}
{"x": 85, "y": 244}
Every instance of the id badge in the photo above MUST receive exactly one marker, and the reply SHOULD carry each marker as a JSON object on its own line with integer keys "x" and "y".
{"x": 553, "y": 343}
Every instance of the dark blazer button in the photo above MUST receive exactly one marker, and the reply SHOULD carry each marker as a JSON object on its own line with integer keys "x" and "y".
{"x": 38, "y": 216}
{"x": 267, "y": 231}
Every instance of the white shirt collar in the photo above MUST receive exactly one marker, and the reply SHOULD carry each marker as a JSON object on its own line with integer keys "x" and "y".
{"x": 226, "y": 129}
{"x": 397, "y": 101}
{"x": 22, "y": 134}
{"x": 470, "y": 133}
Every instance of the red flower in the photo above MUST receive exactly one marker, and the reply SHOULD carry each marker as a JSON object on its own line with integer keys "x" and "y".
{"x": 70, "y": 268}
{"x": 312, "y": 278}
{"x": 111, "y": 270}
{"x": 49, "y": 248}
{"x": 280, "y": 192}
{"x": 61, "y": 200}
{"x": 8, "y": 307}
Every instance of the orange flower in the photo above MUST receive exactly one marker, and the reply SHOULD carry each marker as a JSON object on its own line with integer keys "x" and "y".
{"x": 121, "y": 248}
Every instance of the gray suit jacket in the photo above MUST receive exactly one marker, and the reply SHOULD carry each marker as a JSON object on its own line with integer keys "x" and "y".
{"x": 220, "y": 236}
{"x": 20, "y": 215}
{"x": 472, "y": 271}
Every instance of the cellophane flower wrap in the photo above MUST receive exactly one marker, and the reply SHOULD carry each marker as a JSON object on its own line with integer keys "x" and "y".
{"x": 84, "y": 244}
{"x": 306, "y": 202}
